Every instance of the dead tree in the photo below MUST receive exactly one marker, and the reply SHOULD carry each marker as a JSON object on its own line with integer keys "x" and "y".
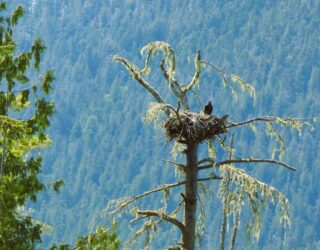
{"x": 189, "y": 129}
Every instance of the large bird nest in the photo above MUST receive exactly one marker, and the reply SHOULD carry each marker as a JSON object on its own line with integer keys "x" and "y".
{"x": 194, "y": 127}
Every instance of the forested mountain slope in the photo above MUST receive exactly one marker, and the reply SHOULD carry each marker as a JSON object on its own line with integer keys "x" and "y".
{"x": 102, "y": 148}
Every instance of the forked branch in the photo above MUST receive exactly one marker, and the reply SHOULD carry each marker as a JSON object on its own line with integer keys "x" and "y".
{"x": 118, "y": 205}
{"x": 175, "y": 86}
{"x": 174, "y": 221}
{"x": 123, "y": 203}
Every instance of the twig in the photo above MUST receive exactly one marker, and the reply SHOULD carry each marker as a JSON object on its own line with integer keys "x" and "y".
{"x": 28, "y": 88}
{"x": 197, "y": 98}
{"x": 214, "y": 67}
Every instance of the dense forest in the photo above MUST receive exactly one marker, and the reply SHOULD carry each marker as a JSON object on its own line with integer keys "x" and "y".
{"x": 103, "y": 149}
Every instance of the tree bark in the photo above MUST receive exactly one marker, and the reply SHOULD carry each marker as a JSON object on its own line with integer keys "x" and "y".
{"x": 190, "y": 209}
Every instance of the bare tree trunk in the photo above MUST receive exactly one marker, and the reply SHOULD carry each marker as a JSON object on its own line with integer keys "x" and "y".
{"x": 190, "y": 209}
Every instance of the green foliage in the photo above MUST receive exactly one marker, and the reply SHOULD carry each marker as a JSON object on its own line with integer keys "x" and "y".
{"x": 17, "y": 14}
{"x": 101, "y": 239}
{"x": 19, "y": 163}
{"x": 57, "y": 185}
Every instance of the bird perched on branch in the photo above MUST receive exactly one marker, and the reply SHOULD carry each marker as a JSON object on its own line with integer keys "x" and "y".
{"x": 208, "y": 108}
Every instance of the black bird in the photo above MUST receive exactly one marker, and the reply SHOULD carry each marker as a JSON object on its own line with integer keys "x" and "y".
{"x": 208, "y": 108}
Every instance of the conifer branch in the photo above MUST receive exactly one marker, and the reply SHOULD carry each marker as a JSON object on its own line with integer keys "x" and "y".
{"x": 245, "y": 160}
{"x": 174, "y": 221}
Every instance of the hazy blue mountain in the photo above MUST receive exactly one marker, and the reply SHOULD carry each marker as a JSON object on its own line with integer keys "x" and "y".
{"x": 102, "y": 148}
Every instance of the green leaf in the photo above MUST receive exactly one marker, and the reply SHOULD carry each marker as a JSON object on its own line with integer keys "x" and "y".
{"x": 3, "y": 6}
{"x": 47, "y": 80}
{"x": 23, "y": 61}
{"x": 6, "y": 49}
{"x": 37, "y": 49}
{"x": 22, "y": 78}
{"x": 34, "y": 88}
{"x": 17, "y": 14}
{"x": 25, "y": 96}
{"x": 57, "y": 185}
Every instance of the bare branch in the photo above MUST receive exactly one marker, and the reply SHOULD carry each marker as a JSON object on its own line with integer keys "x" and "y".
{"x": 195, "y": 80}
{"x": 247, "y": 160}
{"x": 263, "y": 119}
{"x": 175, "y": 163}
{"x": 198, "y": 99}
{"x": 234, "y": 78}
{"x": 166, "y": 49}
{"x": 123, "y": 203}
{"x": 219, "y": 71}
{"x": 174, "y": 221}
{"x": 215, "y": 177}
{"x": 28, "y": 88}
{"x": 135, "y": 72}
{"x": 210, "y": 160}
{"x": 175, "y": 86}
{"x": 170, "y": 79}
